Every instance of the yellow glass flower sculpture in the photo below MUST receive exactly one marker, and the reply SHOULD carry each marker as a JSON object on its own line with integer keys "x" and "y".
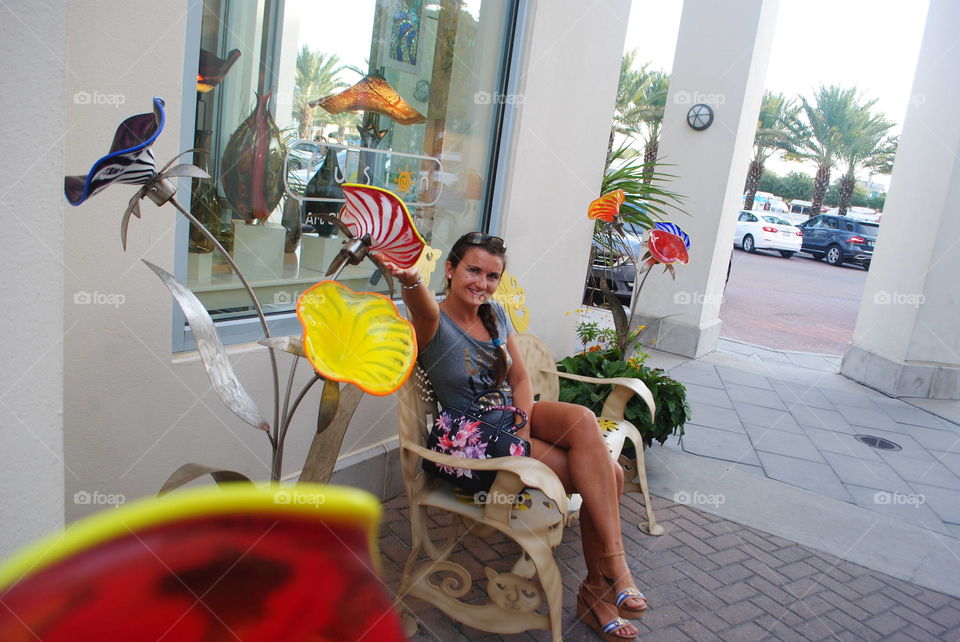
{"x": 356, "y": 337}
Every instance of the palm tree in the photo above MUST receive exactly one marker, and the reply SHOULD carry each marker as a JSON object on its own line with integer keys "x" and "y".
{"x": 865, "y": 145}
{"x": 631, "y": 81}
{"x": 641, "y": 99}
{"x": 316, "y": 77}
{"x": 650, "y": 111}
{"x": 772, "y": 135}
{"x": 818, "y": 136}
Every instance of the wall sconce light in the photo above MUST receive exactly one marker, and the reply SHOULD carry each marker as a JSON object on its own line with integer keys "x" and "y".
{"x": 700, "y": 116}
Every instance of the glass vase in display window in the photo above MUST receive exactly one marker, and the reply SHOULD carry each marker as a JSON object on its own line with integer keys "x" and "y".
{"x": 204, "y": 200}
{"x": 325, "y": 183}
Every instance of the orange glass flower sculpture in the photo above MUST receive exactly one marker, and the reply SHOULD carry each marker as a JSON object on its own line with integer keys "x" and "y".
{"x": 356, "y": 337}
{"x": 607, "y": 207}
{"x": 381, "y": 214}
{"x": 372, "y": 94}
{"x": 666, "y": 248}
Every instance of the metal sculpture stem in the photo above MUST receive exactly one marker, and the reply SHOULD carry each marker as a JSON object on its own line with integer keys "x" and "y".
{"x": 278, "y": 451}
{"x": 274, "y": 437}
{"x": 276, "y": 468}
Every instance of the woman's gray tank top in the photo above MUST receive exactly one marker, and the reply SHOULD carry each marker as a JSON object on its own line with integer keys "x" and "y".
{"x": 460, "y": 367}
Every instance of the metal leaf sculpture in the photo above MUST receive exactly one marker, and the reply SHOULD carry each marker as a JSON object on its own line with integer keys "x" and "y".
{"x": 188, "y": 472}
{"x": 253, "y": 555}
{"x": 211, "y": 350}
{"x": 384, "y": 346}
{"x": 357, "y": 337}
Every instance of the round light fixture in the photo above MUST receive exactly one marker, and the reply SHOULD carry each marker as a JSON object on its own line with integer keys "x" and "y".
{"x": 700, "y": 116}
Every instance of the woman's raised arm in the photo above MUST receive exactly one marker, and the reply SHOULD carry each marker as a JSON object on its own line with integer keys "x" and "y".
{"x": 421, "y": 305}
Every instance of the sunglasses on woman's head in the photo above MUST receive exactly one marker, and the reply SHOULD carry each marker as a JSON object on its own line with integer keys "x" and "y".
{"x": 479, "y": 238}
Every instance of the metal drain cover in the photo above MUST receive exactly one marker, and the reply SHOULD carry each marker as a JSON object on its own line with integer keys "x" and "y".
{"x": 877, "y": 442}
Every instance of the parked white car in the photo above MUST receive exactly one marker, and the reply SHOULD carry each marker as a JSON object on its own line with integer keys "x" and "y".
{"x": 765, "y": 231}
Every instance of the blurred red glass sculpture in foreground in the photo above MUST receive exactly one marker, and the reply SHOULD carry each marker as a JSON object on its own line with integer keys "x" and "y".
{"x": 207, "y": 564}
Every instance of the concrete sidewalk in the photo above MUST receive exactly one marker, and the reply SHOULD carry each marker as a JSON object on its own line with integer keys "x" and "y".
{"x": 800, "y": 425}
{"x": 780, "y": 524}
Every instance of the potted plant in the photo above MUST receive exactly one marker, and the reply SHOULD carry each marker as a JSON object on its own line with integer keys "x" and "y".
{"x": 604, "y": 359}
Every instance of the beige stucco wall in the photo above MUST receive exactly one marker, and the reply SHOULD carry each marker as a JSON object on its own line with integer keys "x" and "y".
{"x": 32, "y": 53}
{"x": 133, "y": 411}
{"x": 565, "y": 96}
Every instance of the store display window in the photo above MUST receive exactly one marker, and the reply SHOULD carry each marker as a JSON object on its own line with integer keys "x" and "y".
{"x": 296, "y": 97}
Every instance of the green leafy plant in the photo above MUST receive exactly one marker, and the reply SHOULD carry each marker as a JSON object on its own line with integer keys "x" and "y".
{"x": 669, "y": 395}
{"x": 590, "y": 333}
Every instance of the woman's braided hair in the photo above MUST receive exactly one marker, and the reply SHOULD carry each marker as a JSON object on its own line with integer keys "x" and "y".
{"x": 487, "y": 315}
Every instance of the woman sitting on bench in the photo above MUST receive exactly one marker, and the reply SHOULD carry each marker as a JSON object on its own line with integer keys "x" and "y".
{"x": 566, "y": 437}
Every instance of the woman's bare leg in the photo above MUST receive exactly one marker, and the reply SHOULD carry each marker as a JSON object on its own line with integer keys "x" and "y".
{"x": 589, "y": 470}
{"x": 557, "y": 458}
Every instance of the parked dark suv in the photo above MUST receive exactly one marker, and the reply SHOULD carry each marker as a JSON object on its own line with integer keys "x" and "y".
{"x": 839, "y": 239}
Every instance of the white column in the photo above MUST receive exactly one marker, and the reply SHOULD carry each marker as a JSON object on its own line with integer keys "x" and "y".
{"x": 907, "y": 339}
{"x": 555, "y": 148}
{"x": 33, "y": 113}
{"x": 721, "y": 61}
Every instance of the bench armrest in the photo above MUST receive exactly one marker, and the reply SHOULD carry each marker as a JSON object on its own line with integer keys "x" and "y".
{"x": 530, "y": 472}
{"x": 623, "y": 389}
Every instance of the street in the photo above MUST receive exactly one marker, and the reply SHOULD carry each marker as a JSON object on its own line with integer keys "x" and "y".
{"x": 791, "y": 304}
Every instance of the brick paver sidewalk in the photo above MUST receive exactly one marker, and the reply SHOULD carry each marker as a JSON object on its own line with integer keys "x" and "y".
{"x": 708, "y": 579}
